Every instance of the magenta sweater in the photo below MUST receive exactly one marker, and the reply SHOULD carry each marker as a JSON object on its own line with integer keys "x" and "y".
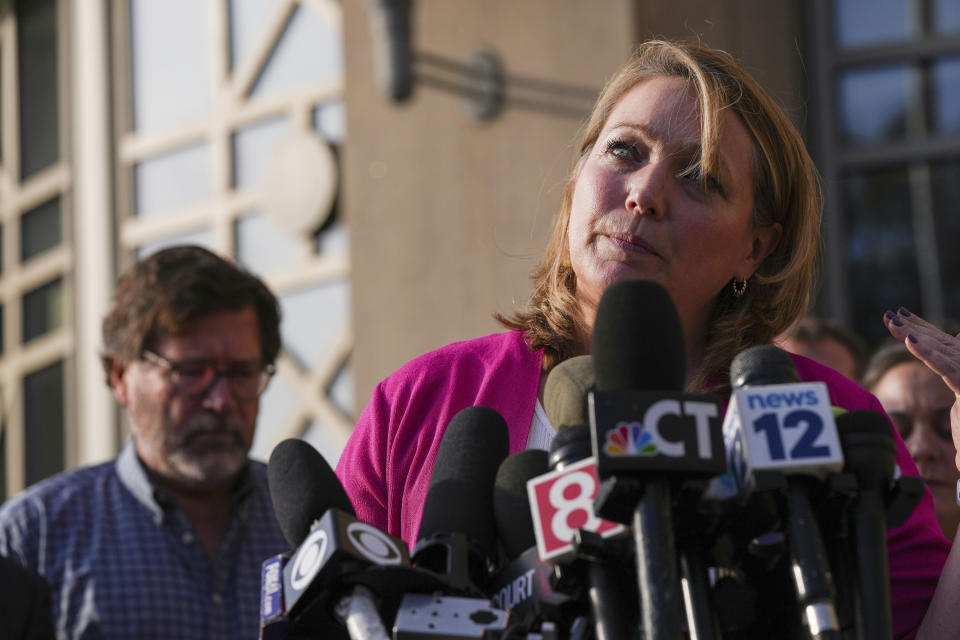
{"x": 387, "y": 463}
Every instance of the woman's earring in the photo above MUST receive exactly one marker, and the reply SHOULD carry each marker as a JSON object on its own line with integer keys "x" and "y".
{"x": 739, "y": 287}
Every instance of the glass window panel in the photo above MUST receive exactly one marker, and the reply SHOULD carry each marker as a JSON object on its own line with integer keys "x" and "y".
{"x": 40, "y": 229}
{"x": 341, "y": 391}
{"x": 881, "y": 254}
{"x": 277, "y": 407}
{"x": 201, "y": 237}
{"x": 246, "y": 26}
{"x": 43, "y": 310}
{"x": 308, "y": 51}
{"x": 43, "y": 415}
{"x": 328, "y": 442}
{"x": 333, "y": 240}
{"x": 945, "y": 183}
{"x": 865, "y": 22}
{"x": 312, "y": 319}
{"x": 873, "y": 104}
{"x": 946, "y": 16}
{"x": 330, "y": 120}
{"x": 169, "y": 62}
{"x": 252, "y": 147}
{"x": 263, "y": 248}
{"x": 37, "y": 77}
{"x": 172, "y": 180}
{"x": 946, "y": 95}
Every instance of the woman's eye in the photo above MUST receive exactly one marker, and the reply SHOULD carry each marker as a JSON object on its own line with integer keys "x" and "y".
{"x": 942, "y": 422}
{"x": 622, "y": 150}
{"x": 709, "y": 183}
{"x": 902, "y": 424}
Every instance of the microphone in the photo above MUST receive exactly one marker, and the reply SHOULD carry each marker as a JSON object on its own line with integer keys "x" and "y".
{"x": 333, "y": 549}
{"x": 302, "y": 488}
{"x": 527, "y": 587}
{"x": 569, "y": 521}
{"x": 346, "y": 571}
{"x": 645, "y": 429}
{"x": 511, "y": 502}
{"x": 457, "y": 537}
{"x": 273, "y": 623}
{"x": 870, "y": 453}
{"x": 774, "y": 425}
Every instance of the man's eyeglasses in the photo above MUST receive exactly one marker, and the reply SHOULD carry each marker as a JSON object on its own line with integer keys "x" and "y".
{"x": 246, "y": 381}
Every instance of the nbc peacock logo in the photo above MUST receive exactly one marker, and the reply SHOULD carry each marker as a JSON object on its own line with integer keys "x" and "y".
{"x": 629, "y": 439}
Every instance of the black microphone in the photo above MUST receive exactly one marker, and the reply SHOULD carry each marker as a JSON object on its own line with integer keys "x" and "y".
{"x": 332, "y": 547}
{"x": 870, "y": 453}
{"x": 511, "y": 502}
{"x": 780, "y": 425}
{"x": 645, "y": 430}
{"x": 527, "y": 587}
{"x": 457, "y": 537}
{"x": 302, "y": 488}
{"x": 609, "y": 588}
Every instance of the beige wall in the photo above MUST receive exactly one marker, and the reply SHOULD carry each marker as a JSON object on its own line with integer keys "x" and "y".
{"x": 447, "y": 216}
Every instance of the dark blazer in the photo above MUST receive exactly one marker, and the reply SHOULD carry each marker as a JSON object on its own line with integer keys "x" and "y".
{"x": 25, "y": 606}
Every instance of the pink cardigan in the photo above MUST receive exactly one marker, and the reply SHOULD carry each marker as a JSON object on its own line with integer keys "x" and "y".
{"x": 387, "y": 463}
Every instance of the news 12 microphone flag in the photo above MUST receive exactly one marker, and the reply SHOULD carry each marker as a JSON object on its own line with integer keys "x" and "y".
{"x": 782, "y": 427}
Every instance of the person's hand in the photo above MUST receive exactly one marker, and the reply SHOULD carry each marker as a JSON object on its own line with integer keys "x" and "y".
{"x": 938, "y": 350}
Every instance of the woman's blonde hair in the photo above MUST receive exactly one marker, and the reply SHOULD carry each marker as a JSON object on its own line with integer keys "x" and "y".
{"x": 786, "y": 191}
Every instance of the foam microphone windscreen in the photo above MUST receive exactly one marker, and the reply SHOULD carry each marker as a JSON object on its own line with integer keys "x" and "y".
{"x": 511, "y": 503}
{"x": 302, "y": 488}
{"x": 571, "y": 444}
{"x": 638, "y": 341}
{"x": 761, "y": 365}
{"x": 460, "y": 496}
{"x": 565, "y": 392}
{"x": 869, "y": 448}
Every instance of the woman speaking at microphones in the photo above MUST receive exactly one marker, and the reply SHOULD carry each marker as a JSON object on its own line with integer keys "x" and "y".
{"x": 688, "y": 174}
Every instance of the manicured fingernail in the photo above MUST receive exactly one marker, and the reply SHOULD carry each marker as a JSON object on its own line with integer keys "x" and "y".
{"x": 896, "y": 321}
{"x": 903, "y": 311}
{"x": 911, "y": 338}
{"x": 888, "y": 315}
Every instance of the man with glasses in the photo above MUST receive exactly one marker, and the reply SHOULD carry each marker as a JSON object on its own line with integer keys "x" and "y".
{"x": 167, "y": 540}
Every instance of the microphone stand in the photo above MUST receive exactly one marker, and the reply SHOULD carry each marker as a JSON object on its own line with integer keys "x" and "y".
{"x": 659, "y": 581}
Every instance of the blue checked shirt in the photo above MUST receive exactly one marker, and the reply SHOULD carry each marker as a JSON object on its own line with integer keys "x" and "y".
{"x": 125, "y": 563}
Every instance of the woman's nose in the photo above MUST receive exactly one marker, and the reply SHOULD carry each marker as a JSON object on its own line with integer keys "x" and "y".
{"x": 923, "y": 443}
{"x": 646, "y": 191}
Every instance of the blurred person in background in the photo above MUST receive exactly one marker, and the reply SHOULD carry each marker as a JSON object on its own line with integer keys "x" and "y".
{"x": 828, "y": 343}
{"x": 167, "y": 540}
{"x": 919, "y": 403}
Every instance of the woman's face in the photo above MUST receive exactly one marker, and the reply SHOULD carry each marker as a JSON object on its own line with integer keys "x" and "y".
{"x": 918, "y": 403}
{"x": 633, "y": 215}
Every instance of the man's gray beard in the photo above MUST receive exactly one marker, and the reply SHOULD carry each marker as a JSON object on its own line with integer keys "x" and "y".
{"x": 208, "y": 467}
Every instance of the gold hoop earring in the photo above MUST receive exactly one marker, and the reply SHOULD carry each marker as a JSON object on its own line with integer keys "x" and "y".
{"x": 739, "y": 287}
